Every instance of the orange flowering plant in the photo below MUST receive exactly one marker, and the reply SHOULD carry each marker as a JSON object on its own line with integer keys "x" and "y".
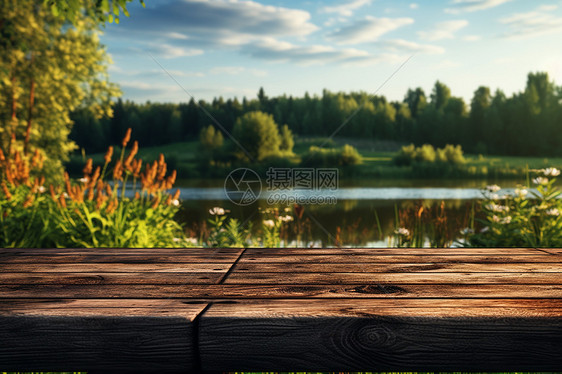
{"x": 120, "y": 204}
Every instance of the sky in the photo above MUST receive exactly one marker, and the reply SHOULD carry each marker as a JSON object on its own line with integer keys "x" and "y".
{"x": 231, "y": 48}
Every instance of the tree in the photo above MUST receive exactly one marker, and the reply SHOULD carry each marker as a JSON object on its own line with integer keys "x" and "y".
{"x": 47, "y": 70}
{"x": 211, "y": 139}
{"x": 287, "y": 141}
{"x": 258, "y": 135}
{"x": 101, "y": 11}
{"x": 416, "y": 101}
{"x": 440, "y": 95}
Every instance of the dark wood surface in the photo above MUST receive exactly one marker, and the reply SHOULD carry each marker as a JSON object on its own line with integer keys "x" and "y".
{"x": 181, "y": 310}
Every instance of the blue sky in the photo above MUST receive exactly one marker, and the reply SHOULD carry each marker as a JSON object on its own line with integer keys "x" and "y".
{"x": 230, "y": 48}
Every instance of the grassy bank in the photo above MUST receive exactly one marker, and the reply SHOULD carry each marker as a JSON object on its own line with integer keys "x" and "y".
{"x": 377, "y": 162}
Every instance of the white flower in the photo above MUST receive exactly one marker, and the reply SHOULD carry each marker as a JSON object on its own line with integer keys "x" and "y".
{"x": 65, "y": 195}
{"x": 553, "y": 212}
{"x": 216, "y": 211}
{"x": 485, "y": 229}
{"x": 467, "y": 231}
{"x": 41, "y": 189}
{"x": 551, "y": 172}
{"x": 540, "y": 180}
{"x": 192, "y": 241}
{"x": 402, "y": 231}
{"x": 497, "y": 208}
{"x": 268, "y": 223}
{"x": 495, "y": 218}
{"x": 83, "y": 180}
{"x": 505, "y": 220}
{"x": 494, "y": 196}
{"x": 286, "y": 218}
{"x": 176, "y": 202}
{"x": 521, "y": 192}
{"x": 493, "y": 188}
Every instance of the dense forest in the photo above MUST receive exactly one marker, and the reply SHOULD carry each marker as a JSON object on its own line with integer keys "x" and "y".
{"x": 528, "y": 123}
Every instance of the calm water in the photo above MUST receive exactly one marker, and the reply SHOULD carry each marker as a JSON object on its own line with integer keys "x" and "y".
{"x": 352, "y": 219}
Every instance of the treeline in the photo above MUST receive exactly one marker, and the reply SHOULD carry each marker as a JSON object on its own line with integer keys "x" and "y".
{"x": 528, "y": 123}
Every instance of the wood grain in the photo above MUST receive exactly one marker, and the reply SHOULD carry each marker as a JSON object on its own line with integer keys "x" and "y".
{"x": 398, "y": 258}
{"x": 111, "y": 278}
{"x": 394, "y": 278}
{"x": 97, "y": 339}
{"x": 114, "y": 268}
{"x": 383, "y": 340}
{"x": 181, "y": 310}
{"x": 123, "y": 259}
{"x": 397, "y": 268}
{"x": 394, "y": 251}
{"x": 119, "y": 251}
{"x": 265, "y": 291}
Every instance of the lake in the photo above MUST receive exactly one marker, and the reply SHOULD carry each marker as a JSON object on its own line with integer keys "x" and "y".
{"x": 352, "y": 219}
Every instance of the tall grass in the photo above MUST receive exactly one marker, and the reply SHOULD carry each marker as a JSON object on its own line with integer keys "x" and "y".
{"x": 93, "y": 211}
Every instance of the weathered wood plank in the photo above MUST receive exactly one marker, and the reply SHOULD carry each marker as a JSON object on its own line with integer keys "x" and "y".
{"x": 285, "y": 291}
{"x": 123, "y": 259}
{"x": 351, "y": 337}
{"x": 114, "y": 268}
{"x": 397, "y": 258}
{"x": 397, "y": 268}
{"x": 98, "y": 339}
{"x": 394, "y": 251}
{"x": 119, "y": 251}
{"x": 410, "y": 307}
{"x": 112, "y": 278}
{"x": 393, "y": 278}
{"x": 46, "y": 305}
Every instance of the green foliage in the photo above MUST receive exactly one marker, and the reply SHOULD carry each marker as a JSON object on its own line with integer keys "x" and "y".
{"x": 410, "y": 155}
{"x": 48, "y": 70}
{"x": 100, "y": 11}
{"x": 44, "y": 223}
{"x": 287, "y": 141}
{"x": 519, "y": 221}
{"x": 524, "y": 124}
{"x": 258, "y": 134}
{"x": 211, "y": 139}
{"x": 226, "y": 232}
{"x": 90, "y": 212}
{"x": 332, "y": 157}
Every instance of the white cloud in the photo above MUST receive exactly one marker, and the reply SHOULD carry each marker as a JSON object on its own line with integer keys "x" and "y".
{"x": 170, "y": 51}
{"x": 236, "y": 70}
{"x": 538, "y": 22}
{"x": 368, "y": 30}
{"x": 280, "y": 51}
{"x": 345, "y": 9}
{"x": 443, "y": 30}
{"x": 414, "y": 6}
{"x": 215, "y": 22}
{"x": 462, "y": 6}
{"x": 472, "y": 38}
{"x": 400, "y": 45}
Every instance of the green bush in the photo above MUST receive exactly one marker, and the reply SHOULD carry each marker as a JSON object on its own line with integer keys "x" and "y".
{"x": 258, "y": 136}
{"x": 518, "y": 221}
{"x": 410, "y": 155}
{"x": 331, "y": 157}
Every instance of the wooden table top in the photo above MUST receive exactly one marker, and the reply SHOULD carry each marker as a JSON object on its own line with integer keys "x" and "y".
{"x": 180, "y": 310}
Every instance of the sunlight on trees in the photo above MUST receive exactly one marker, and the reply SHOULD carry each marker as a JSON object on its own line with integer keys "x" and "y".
{"x": 48, "y": 69}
